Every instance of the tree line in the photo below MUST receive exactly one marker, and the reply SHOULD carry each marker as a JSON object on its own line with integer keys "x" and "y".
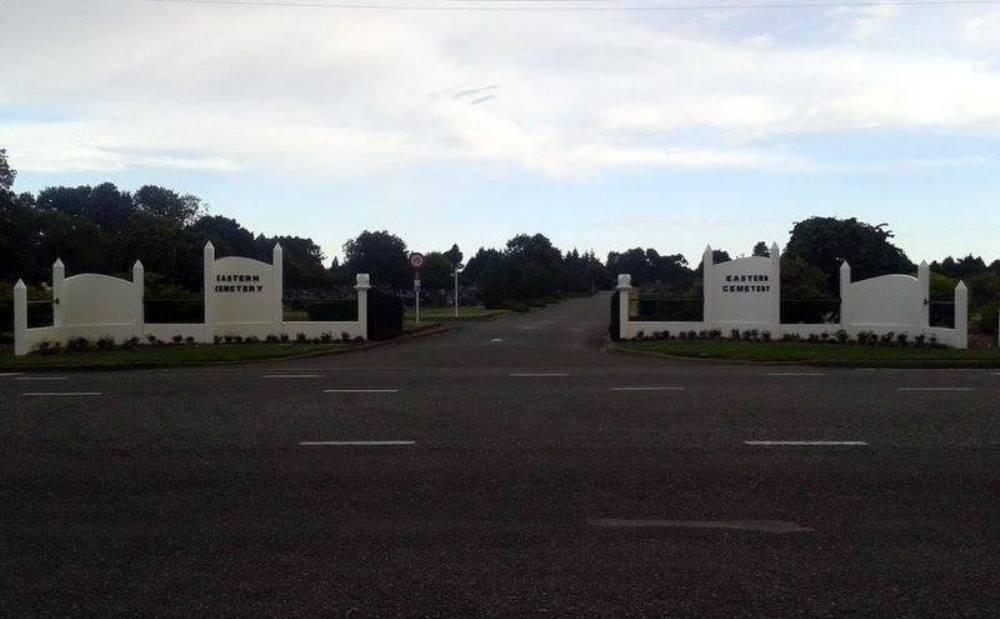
{"x": 105, "y": 229}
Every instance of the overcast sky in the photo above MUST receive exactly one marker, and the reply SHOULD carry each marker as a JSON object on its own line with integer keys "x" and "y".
{"x": 601, "y": 129}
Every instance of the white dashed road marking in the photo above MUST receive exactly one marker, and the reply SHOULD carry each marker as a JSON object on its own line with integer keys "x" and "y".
{"x": 5, "y": 374}
{"x": 538, "y": 374}
{"x": 767, "y": 526}
{"x": 935, "y": 389}
{"x": 796, "y": 374}
{"x": 62, "y": 393}
{"x": 806, "y": 443}
{"x": 355, "y": 443}
{"x": 647, "y": 388}
{"x": 349, "y": 391}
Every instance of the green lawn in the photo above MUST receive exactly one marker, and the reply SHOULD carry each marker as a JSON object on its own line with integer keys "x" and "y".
{"x": 437, "y": 314}
{"x": 167, "y": 356}
{"x": 816, "y": 354}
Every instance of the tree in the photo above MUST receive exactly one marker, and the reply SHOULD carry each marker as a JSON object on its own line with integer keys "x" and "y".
{"x": 826, "y": 242}
{"x": 7, "y": 174}
{"x": 381, "y": 255}
{"x": 437, "y": 271}
{"x": 761, "y": 250}
{"x": 168, "y": 204}
{"x": 454, "y": 256}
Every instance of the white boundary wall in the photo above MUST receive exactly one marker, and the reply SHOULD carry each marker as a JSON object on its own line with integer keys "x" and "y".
{"x": 94, "y": 306}
{"x": 887, "y": 304}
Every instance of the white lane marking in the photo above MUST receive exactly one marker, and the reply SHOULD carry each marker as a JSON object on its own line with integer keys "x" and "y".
{"x": 767, "y": 526}
{"x": 41, "y": 378}
{"x": 360, "y": 390}
{"x": 5, "y": 374}
{"x": 62, "y": 393}
{"x": 538, "y": 374}
{"x": 934, "y": 389}
{"x": 796, "y": 374}
{"x": 807, "y": 443}
{"x": 647, "y": 388}
{"x": 496, "y": 340}
{"x": 355, "y": 443}
{"x": 290, "y": 376}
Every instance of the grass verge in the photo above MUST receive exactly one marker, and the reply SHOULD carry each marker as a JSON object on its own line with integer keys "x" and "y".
{"x": 441, "y": 314}
{"x": 827, "y": 355}
{"x": 170, "y": 356}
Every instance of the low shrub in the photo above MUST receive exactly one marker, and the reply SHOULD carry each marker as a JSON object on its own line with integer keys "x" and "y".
{"x": 189, "y": 339}
{"x": 765, "y": 335}
{"x": 271, "y": 339}
{"x": 152, "y": 339}
{"x": 78, "y": 344}
{"x": 131, "y": 343}
{"x": 105, "y": 343}
{"x": 345, "y": 336}
{"x": 283, "y": 337}
{"x": 734, "y": 334}
{"x": 178, "y": 339}
{"x": 253, "y": 339}
{"x": 326, "y": 338}
{"x": 301, "y": 338}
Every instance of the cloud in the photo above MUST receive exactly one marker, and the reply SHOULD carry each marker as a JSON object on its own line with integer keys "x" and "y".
{"x": 340, "y": 92}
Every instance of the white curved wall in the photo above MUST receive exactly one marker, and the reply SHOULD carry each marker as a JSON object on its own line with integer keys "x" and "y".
{"x": 93, "y": 299}
{"x": 886, "y": 300}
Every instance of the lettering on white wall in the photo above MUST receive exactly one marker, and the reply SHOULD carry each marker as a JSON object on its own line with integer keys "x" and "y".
{"x": 743, "y": 282}
{"x": 238, "y": 283}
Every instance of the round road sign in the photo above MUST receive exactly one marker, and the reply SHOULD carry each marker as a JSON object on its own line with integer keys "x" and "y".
{"x": 416, "y": 260}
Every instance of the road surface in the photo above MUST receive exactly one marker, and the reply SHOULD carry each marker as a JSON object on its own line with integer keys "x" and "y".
{"x": 506, "y": 468}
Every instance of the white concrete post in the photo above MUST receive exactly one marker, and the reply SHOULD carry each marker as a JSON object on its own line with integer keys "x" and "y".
{"x": 363, "y": 283}
{"x": 20, "y": 318}
{"x": 209, "y": 283}
{"x": 139, "y": 286}
{"x": 58, "y": 303}
{"x": 961, "y": 316}
{"x": 845, "y": 300}
{"x": 624, "y": 289}
{"x": 924, "y": 278}
{"x": 775, "y": 255}
{"x": 278, "y": 284}
{"x": 708, "y": 289}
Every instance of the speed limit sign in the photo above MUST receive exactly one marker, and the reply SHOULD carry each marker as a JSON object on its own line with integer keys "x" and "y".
{"x": 416, "y": 260}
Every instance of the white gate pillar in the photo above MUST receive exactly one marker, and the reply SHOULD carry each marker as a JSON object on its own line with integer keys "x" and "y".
{"x": 58, "y": 303}
{"x": 845, "y": 300}
{"x": 708, "y": 288}
{"x": 775, "y": 275}
{"x": 139, "y": 286}
{"x": 363, "y": 283}
{"x": 277, "y": 285}
{"x": 20, "y": 318}
{"x": 924, "y": 278}
{"x": 208, "y": 258}
{"x": 624, "y": 289}
{"x": 961, "y": 316}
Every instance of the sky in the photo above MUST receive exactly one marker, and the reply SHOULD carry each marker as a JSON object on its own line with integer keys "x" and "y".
{"x": 671, "y": 128}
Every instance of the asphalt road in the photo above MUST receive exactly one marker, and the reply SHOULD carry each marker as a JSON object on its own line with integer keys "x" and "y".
{"x": 527, "y": 473}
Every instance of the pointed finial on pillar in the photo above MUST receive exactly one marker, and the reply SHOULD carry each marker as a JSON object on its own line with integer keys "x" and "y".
{"x": 20, "y": 285}
{"x": 775, "y": 252}
{"x": 961, "y": 286}
{"x": 844, "y": 266}
{"x": 58, "y": 264}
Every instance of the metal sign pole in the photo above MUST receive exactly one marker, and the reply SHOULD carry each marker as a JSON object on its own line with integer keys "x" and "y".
{"x": 456, "y": 292}
{"x": 416, "y": 296}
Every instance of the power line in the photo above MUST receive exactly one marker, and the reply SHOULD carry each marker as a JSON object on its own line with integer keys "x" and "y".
{"x": 528, "y": 6}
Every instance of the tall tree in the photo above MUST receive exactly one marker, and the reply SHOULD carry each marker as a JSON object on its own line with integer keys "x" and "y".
{"x": 761, "y": 250}
{"x": 825, "y": 242}
{"x": 381, "y": 255}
